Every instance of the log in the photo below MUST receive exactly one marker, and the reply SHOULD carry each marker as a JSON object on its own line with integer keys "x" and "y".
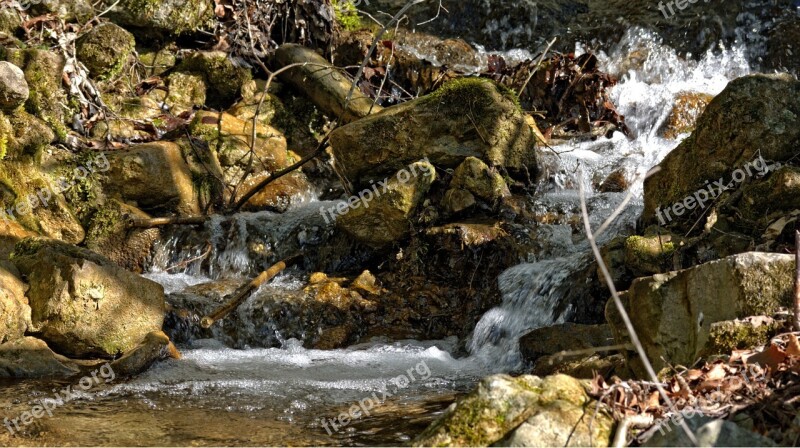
{"x": 244, "y": 291}
{"x": 160, "y": 222}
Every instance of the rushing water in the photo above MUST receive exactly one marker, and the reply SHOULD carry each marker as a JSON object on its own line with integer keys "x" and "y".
{"x": 217, "y": 395}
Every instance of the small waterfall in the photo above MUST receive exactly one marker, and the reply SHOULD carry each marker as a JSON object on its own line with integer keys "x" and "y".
{"x": 546, "y": 291}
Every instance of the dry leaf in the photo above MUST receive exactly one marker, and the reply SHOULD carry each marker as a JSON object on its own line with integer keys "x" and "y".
{"x": 770, "y": 357}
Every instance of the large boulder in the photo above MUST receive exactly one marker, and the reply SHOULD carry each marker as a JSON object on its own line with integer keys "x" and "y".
{"x": 30, "y": 357}
{"x": 523, "y": 411}
{"x": 84, "y": 305}
{"x": 386, "y": 217}
{"x": 105, "y": 49}
{"x": 13, "y": 87}
{"x": 467, "y": 117}
{"x": 154, "y": 176}
{"x": 673, "y": 313}
{"x": 754, "y": 117}
{"x": 15, "y": 314}
{"x": 325, "y": 85}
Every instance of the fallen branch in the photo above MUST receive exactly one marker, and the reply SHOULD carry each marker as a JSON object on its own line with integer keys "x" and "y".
{"x": 244, "y": 291}
{"x": 634, "y": 337}
{"x": 161, "y": 222}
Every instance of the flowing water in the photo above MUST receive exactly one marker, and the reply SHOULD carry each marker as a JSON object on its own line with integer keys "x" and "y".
{"x": 219, "y": 395}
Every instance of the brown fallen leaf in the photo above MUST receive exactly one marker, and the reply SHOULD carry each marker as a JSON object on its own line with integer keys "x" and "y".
{"x": 793, "y": 348}
{"x": 716, "y": 373}
{"x": 771, "y": 357}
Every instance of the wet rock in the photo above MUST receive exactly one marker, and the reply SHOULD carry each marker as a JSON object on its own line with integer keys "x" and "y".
{"x": 173, "y": 17}
{"x": 673, "y": 313}
{"x": 280, "y": 195}
{"x": 110, "y": 235}
{"x": 523, "y": 411}
{"x": 778, "y": 195}
{"x": 476, "y": 177}
{"x": 13, "y": 87}
{"x": 15, "y": 314}
{"x": 456, "y": 200}
{"x": 154, "y": 347}
{"x": 564, "y": 337}
{"x": 105, "y": 50}
{"x": 683, "y": 117}
{"x": 468, "y": 117}
{"x": 32, "y": 200}
{"x": 367, "y": 284}
{"x": 722, "y": 142}
{"x": 84, "y": 304}
{"x": 154, "y": 176}
{"x": 385, "y": 219}
{"x": 584, "y": 366}
{"x": 782, "y": 47}
{"x": 616, "y": 182}
{"x": 224, "y": 79}
{"x": 326, "y": 87}
{"x": 708, "y": 432}
{"x": 32, "y": 358}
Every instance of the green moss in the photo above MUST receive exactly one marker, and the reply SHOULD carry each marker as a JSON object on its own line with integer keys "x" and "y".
{"x": 105, "y": 50}
{"x": 471, "y": 92}
{"x": 725, "y": 337}
{"x": 224, "y": 79}
{"x": 347, "y": 15}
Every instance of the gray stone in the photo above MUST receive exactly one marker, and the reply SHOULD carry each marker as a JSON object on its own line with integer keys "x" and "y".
{"x": 13, "y": 87}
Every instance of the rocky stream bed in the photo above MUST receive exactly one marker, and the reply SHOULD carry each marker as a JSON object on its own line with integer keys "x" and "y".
{"x": 413, "y": 185}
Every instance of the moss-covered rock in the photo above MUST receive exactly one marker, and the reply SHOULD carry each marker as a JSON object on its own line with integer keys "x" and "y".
{"x": 672, "y": 313}
{"x": 47, "y": 100}
{"x": 467, "y": 117}
{"x": 741, "y": 334}
{"x": 10, "y": 21}
{"x": 105, "y": 50}
{"x": 35, "y": 201}
{"x": 23, "y": 136}
{"x": 382, "y": 218}
{"x": 522, "y": 411}
{"x": 224, "y": 79}
{"x": 15, "y": 314}
{"x": 13, "y": 87}
{"x": 173, "y": 17}
{"x": 67, "y": 10}
{"x": 648, "y": 255}
{"x": 110, "y": 235}
{"x": 476, "y": 177}
{"x": 83, "y": 304}
{"x": 755, "y": 116}
{"x": 30, "y": 357}
{"x": 230, "y": 138}
{"x": 155, "y": 176}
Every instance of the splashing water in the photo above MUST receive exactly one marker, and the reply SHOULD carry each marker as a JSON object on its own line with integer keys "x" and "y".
{"x": 536, "y": 294}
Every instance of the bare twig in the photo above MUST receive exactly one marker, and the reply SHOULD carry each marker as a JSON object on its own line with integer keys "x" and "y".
{"x": 797, "y": 277}
{"x": 244, "y": 291}
{"x": 538, "y": 64}
{"x": 621, "y": 308}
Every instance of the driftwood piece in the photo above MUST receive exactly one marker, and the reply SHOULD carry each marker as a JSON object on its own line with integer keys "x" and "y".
{"x": 160, "y": 222}
{"x": 244, "y": 291}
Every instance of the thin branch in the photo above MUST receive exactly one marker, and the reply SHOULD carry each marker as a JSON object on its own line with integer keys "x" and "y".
{"x": 621, "y": 308}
